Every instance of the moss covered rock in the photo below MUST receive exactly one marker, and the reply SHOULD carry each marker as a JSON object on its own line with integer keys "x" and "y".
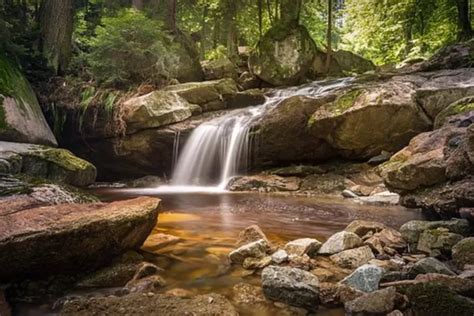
{"x": 463, "y": 252}
{"x": 363, "y": 121}
{"x": 21, "y": 119}
{"x": 284, "y": 55}
{"x": 459, "y": 107}
{"x": 47, "y": 162}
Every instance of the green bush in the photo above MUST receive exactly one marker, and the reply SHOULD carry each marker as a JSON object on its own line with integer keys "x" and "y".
{"x": 131, "y": 48}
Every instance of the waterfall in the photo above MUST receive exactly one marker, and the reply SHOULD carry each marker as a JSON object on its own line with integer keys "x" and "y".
{"x": 219, "y": 149}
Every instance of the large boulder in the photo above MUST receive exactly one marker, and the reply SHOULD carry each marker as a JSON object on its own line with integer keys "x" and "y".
{"x": 45, "y": 162}
{"x": 21, "y": 119}
{"x": 454, "y": 56}
{"x": 291, "y": 286}
{"x": 412, "y": 230}
{"x": 284, "y": 55}
{"x": 463, "y": 252}
{"x": 219, "y": 69}
{"x": 84, "y": 236}
{"x": 186, "y": 58}
{"x": 364, "y": 121}
{"x": 156, "y": 109}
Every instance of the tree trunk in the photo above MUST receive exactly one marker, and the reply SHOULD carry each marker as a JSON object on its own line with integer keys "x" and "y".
{"x": 290, "y": 11}
{"x": 56, "y": 23}
{"x": 171, "y": 15}
{"x": 464, "y": 21}
{"x": 260, "y": 18}
{"x": 137, "y": 4}
{"x": 329, "y": 37}
{"x": 204, "y": 32}
{"x": 232, "y": 32}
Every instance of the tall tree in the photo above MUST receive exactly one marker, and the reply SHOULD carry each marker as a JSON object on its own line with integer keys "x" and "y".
{"x": 171, "y": 15}
{"x": 464, "y": 20}
{"x": 230, "y": 15}
{"x": 56, "y": 23}
{"x": 329, "y": 37}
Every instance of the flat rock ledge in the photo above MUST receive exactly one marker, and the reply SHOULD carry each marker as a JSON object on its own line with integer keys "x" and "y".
{"x": 68, "y": 238}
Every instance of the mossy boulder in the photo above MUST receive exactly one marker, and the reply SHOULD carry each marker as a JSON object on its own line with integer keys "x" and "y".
{"x": 219, "y": 69}
{"x": 156, "y": 109}
{"x": 361, "y": 122}
{"x": 463, "y": 252}
{"x": 284, "y": 55}
{"x": 47, "y": 162}
{"x": 208, "y": 95}
{"x": 186, "y": 58}
{"x": 21, "y": 119}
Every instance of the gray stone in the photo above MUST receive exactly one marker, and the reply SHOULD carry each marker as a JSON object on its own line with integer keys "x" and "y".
{"x": 280, "y": 256}
{"x": 339, "y": 242}
{"x": 365, "y": 278}
{"x": 353, "y": 258}
{"x": 411, "y": 230}
{"x": 256, "y": 249}
{"x": 291, "y": 286}
{"x": 299, "y": 247}
{"x": 437, "y": 241}
{"x": 429, "y": 265}
{"x": 378, "y": 302}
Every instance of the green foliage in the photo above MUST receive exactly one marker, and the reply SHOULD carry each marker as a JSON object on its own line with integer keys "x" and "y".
{"x": 131, "y": 48}
{"x": 219, "y": 52}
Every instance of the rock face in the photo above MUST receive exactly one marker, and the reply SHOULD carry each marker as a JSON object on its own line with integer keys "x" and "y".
{"x": 283, "y": 56}
{"x": 366, "y": 278}
{"x": 84, "y": 235}
{"x": 291, "y": 286}
{"x": 21, "y": 119}
{"x": 45, "y": 162}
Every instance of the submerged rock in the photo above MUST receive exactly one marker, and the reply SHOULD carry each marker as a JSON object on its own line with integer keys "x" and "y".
{"x": 291, "y": 286}
{"x": 79, "y": 233}
{"x": 340, "y": 241}
{"x": 256, "y": 249}
{"x": 366, "y": 278}
{"x": 150, "y": 304}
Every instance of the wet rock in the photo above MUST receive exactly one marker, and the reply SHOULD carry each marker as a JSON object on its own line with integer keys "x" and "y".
{"x": 265, "y": 183}
{"x": 251, "y": 234}
{"x": 145, "y": 182}
{"x": 299, "y": 247}
{"x": 158, "y": 108}
{"x": 22, "y": 119}
{"x": 329, "y": 184}
{"x": 46, "y": 162}
{"x": 291, "y": 286}
{"x": 362, "y": 227}
{"x": 388, "y": 108}
{"x": 412, "y": 230}
{"x": 256, "y": 263}
{"x": 145, "y": 284}
{"x": 208, "y": 95}
{"x": 437, "y": 241}
{"x": 392, "y": 276}
{"x": 301, "y": 262}
{"x": 158, "y": 241}
{"x": 247, "y": 294}
{"x": 378, "y": 302}
{"x": 429, "y": 265}
{"x": 463, "y": 252}
{"x": 279, "y": 256}
{"x": 381, "y": 198}
{"x": 432, "y": 298}
{"x": 366, "y": 278}
{"x": 155, "y": 304}
{"x": 348, "y": 194}
{"x": 79, "y": 232}
{"x": 256, "y": 249}
{"x": 340, "y": 241}
{"x": 298, "y": 171}
{"x": 353, "y": 258}
{"x": 248, "y": 80}
{"x": 283, "y": 56}
{"x": 244, "y": 99}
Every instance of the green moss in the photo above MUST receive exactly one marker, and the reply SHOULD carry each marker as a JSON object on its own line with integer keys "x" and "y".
{"x": 435, "y": 299}
{"x": 461, "y": 106}
{"x": 62, "y": 158}
{"x": 345, "y": 101}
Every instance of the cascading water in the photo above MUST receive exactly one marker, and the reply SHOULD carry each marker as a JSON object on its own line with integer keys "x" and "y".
{"x": 219, "y": 149}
